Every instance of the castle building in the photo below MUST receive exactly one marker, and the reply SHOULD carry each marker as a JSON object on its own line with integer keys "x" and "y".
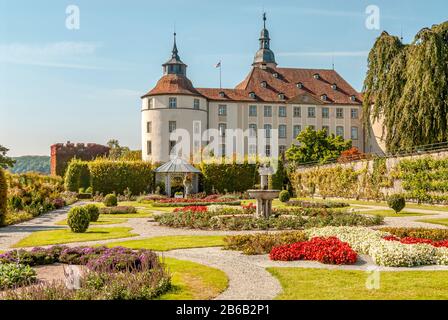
{"x": 270, "y": 97}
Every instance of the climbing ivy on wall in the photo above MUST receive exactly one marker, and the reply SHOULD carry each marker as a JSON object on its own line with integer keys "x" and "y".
{"x": 406, "y": 88}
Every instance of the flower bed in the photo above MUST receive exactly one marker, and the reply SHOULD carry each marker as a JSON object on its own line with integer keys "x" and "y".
{"x": 432, "y": 234}
{"x": 315, "y": 204}
{"x": 325, "y": 250}
{"x": 118, "y": 210}
{"x": 15, "y": 275}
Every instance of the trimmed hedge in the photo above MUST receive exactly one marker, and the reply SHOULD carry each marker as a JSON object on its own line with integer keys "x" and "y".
{"x": 77, "y": 176}
{"x": 225, "y": 177}
{"x": 422, "y": 233}
{"x": 3, "y": 197}
{"x": 116, "y": 176}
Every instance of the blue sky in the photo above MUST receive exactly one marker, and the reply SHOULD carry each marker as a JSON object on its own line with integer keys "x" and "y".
{"x": 85, "y": 85}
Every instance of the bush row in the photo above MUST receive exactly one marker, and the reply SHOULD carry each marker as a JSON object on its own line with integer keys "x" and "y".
{"x": 106, "y": 176}
{"x": 3, "y": 197}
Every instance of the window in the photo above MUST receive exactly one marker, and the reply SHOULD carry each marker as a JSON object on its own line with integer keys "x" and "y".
{"x": 339, "y": 113}
{"x": 311, "y": 112}
{"x": 222, "y": 129}
{"x": 354, "y": 113}
{"x": 267, "y": 130}
{"x": 173, "y": 103}
{"x": 267, "y": 111}
{"x": 264, "y": 84}
{"x": 252, "y": 95}
{"x": 222, "y": 110}
{"x": 325, "y": 113}
{"x": 297, "y": 112}
{"x": 196, "y": 104}
{"x": 282, "y": 111}
{"x": 148, "y": 148}
{"x": 252, "y": 111}
{"x": 223, "y": 150}
{"x": 296, "y": 130}
{"x": 281, "y": 150}
{"x": 327, "y": 129}
{"x": 171, "y": 147}
{"x": 148, "y": 127}
{"x": 150, "y": 103}
{"x": 324, "y": 97}
{"x": 268, "y": 150}
{"x": 252, "y": 149}
{"x": 354, "y": 133}
{"x": 252, "y": 130}
{"x": 340, "y": 131}
{"x": 282, "y": 131}
{"x": 172, "y": 126}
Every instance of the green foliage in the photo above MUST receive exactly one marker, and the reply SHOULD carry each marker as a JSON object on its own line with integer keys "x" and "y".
{"x": 118, "y": 210}
{"x": 225, "y": 177}
{"x": 110, "y": 200}
{"x": 16, "y": 275}
{"x": 407, "y": 86}
{"x": 262, "y": 243}
{"x": 5, "y": 161}
{"x": 78, "y": 219}
{"x": 422, "y": 233}
{"x": 396, "y": 202}
{"x": 116, "y": 151}
{"x": 116, "y": 176}
{"x": 77, "y": 176}
{"x": 284, "y": 196}
{"x": 40, "y": 164}
{"x": 317, "y": 146}
{"x": 94, "y": 212}
{"x": 279, "y": 180}
{"x": 3, "y": 197}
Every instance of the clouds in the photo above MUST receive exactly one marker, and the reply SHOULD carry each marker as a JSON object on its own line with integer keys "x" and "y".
{"x": 70, "y": 55}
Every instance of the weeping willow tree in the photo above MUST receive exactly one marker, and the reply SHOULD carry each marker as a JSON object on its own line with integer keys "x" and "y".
{"x": 407, "y": 88}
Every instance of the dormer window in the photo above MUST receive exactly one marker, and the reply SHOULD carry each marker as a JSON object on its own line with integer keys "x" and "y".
{"x": 264, "y": 84}
{"x": 353, "y": 98}
{"x": 222, "y": 94}
{"x": 334, "y": 86}
{"x": 299, "y": 85}
{"x": 316, "y": 76}
{"x": 275, "y": 74}
{"x": 252, "y": 95}
{"x": 324, "y": 97}
{"x": 281, "y": 96}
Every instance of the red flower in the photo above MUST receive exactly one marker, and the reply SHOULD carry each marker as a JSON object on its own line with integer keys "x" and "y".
{"x": 192, "y": 208}
{"x": 325, "y": 250}
{"x": 411, "y": 240}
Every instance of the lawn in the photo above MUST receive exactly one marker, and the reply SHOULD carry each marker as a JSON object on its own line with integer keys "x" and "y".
{"x": 193, "y": 281}
{"x": 443, "y": 222}
{"x": 322, "y": 284}
{"x": 391, "y": 213}
{"x": 44, "y": 238}
{"x": 171, "y": 242}
{"x": 103, "y": 220}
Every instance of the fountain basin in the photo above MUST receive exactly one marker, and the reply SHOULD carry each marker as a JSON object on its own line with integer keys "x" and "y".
{"x": 264, "y": 194}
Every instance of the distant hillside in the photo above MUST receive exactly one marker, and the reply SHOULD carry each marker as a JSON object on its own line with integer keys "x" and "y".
{"x": 32, "y": 164}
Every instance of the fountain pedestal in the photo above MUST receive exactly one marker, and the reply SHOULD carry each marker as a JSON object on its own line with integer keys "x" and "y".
{"x": 264, "y": 196}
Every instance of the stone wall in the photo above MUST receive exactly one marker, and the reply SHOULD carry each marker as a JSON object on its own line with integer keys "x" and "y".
{"x": 61, "y": 154}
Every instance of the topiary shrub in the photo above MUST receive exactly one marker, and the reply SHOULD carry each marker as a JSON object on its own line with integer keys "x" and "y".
{"x": 396, "y": 202}
{"x": 94, "y": 212}
{"x": 110, "y": 200}
{"x": 284, "y": 196}
{"x": 3, "y": 197}
{"x": 78, "y": 219}
{"x": 77, "y": 176}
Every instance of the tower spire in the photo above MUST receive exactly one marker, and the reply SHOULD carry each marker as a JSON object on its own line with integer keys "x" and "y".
{"x": 264, "y": 55}
{"x": 175, "y": 65}
{"x": 175, "y": 52}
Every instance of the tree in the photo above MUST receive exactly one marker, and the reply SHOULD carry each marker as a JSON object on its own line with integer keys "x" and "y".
{"x": 406, "y": 88}
{"x": 317, "y": 146}
{"x": 116, "y": 151}
{"x": 5, "y": 161}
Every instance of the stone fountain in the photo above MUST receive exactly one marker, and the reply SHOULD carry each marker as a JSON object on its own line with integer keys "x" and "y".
{"x": 264, "y": 196}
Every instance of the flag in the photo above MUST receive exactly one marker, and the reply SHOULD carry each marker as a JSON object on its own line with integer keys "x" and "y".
{"x": 218, "y": 65}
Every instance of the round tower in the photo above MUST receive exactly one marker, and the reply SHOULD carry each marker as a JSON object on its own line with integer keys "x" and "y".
{"x": 172, "y": 104}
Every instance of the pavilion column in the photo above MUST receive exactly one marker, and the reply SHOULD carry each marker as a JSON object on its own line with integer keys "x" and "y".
{"x": 168, "y": 184}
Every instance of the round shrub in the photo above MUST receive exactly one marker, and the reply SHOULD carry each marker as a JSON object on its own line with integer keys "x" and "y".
{"x": 396, "y": 202}
{"x": 284, "y": 196}
{"x": 94, "y": 212}
{"x": 110, "y": 200}
{"x": 78, "y": 219}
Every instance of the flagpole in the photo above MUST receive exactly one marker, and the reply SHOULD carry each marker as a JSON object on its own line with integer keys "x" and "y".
{"x": 220, "y": 75}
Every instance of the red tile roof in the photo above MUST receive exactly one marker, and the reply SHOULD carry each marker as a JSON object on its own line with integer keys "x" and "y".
{"x": 173, "y": 84}
{"x": 285, "y": 83}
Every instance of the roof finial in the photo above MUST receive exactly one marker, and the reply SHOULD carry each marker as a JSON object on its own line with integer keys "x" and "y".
{"x": 264, "y": 20}
{"x": 175, "y": 52}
